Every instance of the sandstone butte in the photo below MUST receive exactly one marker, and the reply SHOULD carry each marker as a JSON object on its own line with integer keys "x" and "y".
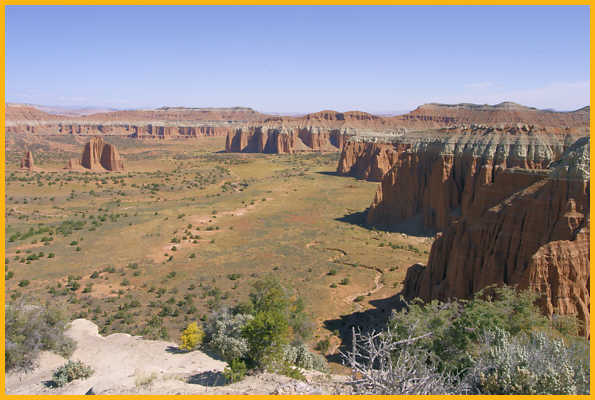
{"x": 27, "y": 161}
{"x": 98, "y": 156}
{"x": 528, "y": 228}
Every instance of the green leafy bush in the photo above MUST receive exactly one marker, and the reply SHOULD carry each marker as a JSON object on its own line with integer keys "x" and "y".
{"x": 498, "y": 342}
{"x": 235, "y": 372}
{"x": 70, "y": 371}
{"x": 456, "y": 326}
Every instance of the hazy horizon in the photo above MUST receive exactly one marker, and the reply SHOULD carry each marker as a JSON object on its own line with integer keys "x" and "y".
{"x": 296, "y": 60}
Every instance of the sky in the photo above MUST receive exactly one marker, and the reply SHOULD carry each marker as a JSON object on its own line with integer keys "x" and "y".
{"x": 297, "y": 59}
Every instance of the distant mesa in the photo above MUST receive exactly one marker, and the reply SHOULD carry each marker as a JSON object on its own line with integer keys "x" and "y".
{"x": 27, "y": 161}
{"x": 98, "y": 156}
{"x": 188, "y": 123}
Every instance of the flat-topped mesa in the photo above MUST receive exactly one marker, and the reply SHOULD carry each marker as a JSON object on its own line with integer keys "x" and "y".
{"x": 435, "y": 115}
{"x": 162, "y": 123}
{"x": 530, "y": 230}
{"x": 27, "y": 161}
{"x": 284, "y": 140}
{"x": 181, "y": 122}
{"x": 98, "y": 155}
{"x": 435, "y": 174}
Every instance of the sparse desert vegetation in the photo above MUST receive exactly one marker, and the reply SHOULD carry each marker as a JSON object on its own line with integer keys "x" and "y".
{"x": 152, "y": 249}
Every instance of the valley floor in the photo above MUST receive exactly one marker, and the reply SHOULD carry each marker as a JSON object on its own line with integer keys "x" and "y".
{"x": 187, "y": 229}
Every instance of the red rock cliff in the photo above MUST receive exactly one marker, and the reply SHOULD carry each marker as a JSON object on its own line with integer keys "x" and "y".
{"x": 98, "y": 155}
{"x": 437, "y": 176}
{"x": 531, "y": 230}
{"x": 283, "y": 140}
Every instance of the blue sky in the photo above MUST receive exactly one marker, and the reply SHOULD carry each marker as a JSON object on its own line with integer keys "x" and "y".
{"x": 297, "y": 59}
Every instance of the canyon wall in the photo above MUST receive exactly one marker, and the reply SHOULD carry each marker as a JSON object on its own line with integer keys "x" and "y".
{"x": 528, "y": 228}
{"x": 436, "y": 175}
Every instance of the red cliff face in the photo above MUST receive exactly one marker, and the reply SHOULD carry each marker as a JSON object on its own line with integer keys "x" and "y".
{"x": 368, "y": 160}
{"x": 283, "y": 140}
{"x": 527, "y": 228}
{"x": 437, "y": 176}
{"x": 98, "y": 155}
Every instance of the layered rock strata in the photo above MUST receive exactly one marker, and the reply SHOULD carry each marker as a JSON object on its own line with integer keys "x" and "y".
{"x": 436, "y": 175}
{"x": 180, "y": 122}
{"x": 528, "y": 228}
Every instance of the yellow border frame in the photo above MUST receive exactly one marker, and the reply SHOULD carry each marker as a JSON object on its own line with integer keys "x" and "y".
{"x": 4, "y": 3}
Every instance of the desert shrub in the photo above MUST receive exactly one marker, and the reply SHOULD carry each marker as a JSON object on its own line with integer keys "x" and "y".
{"x": 533, "y": 363}
{"x": 224, "y": 334}
{"x": 383, "y": 366}
{"x": 323, "y": 345}
{"x": 144, "y": 381}
{"x": 70, "y": 371}
{"x": 266, "y": 333}
{"x": 456, "y": 325}
{"x": 496, "y": 343}
{"x": 259, "y": 331}
{"x": 300, "y": 356}
{"x": 191, "y": 337}
{"x": 235, "y": 371}
{"x": 278, "y": 320}
{"x": 30, "y": 329}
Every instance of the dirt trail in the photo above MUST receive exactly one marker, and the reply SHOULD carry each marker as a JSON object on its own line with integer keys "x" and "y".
{"x": 338, "y": 260}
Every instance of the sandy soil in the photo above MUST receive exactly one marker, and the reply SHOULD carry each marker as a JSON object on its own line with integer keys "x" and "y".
{"x": 126, "y": 364}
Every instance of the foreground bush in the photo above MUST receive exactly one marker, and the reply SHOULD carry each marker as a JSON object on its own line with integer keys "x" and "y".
{"x": 235, "y": 372}
{"x": 191, "y": 337}
{"x": 496, "y": 343}
{"x": 529, "y": 364}
{"x": 224, "y": 334}
{"x": 70, "y": 371}
{"x": 30, "y": 329}
{"x": 300, "y": 356}
{"x": 266, "y": 334}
